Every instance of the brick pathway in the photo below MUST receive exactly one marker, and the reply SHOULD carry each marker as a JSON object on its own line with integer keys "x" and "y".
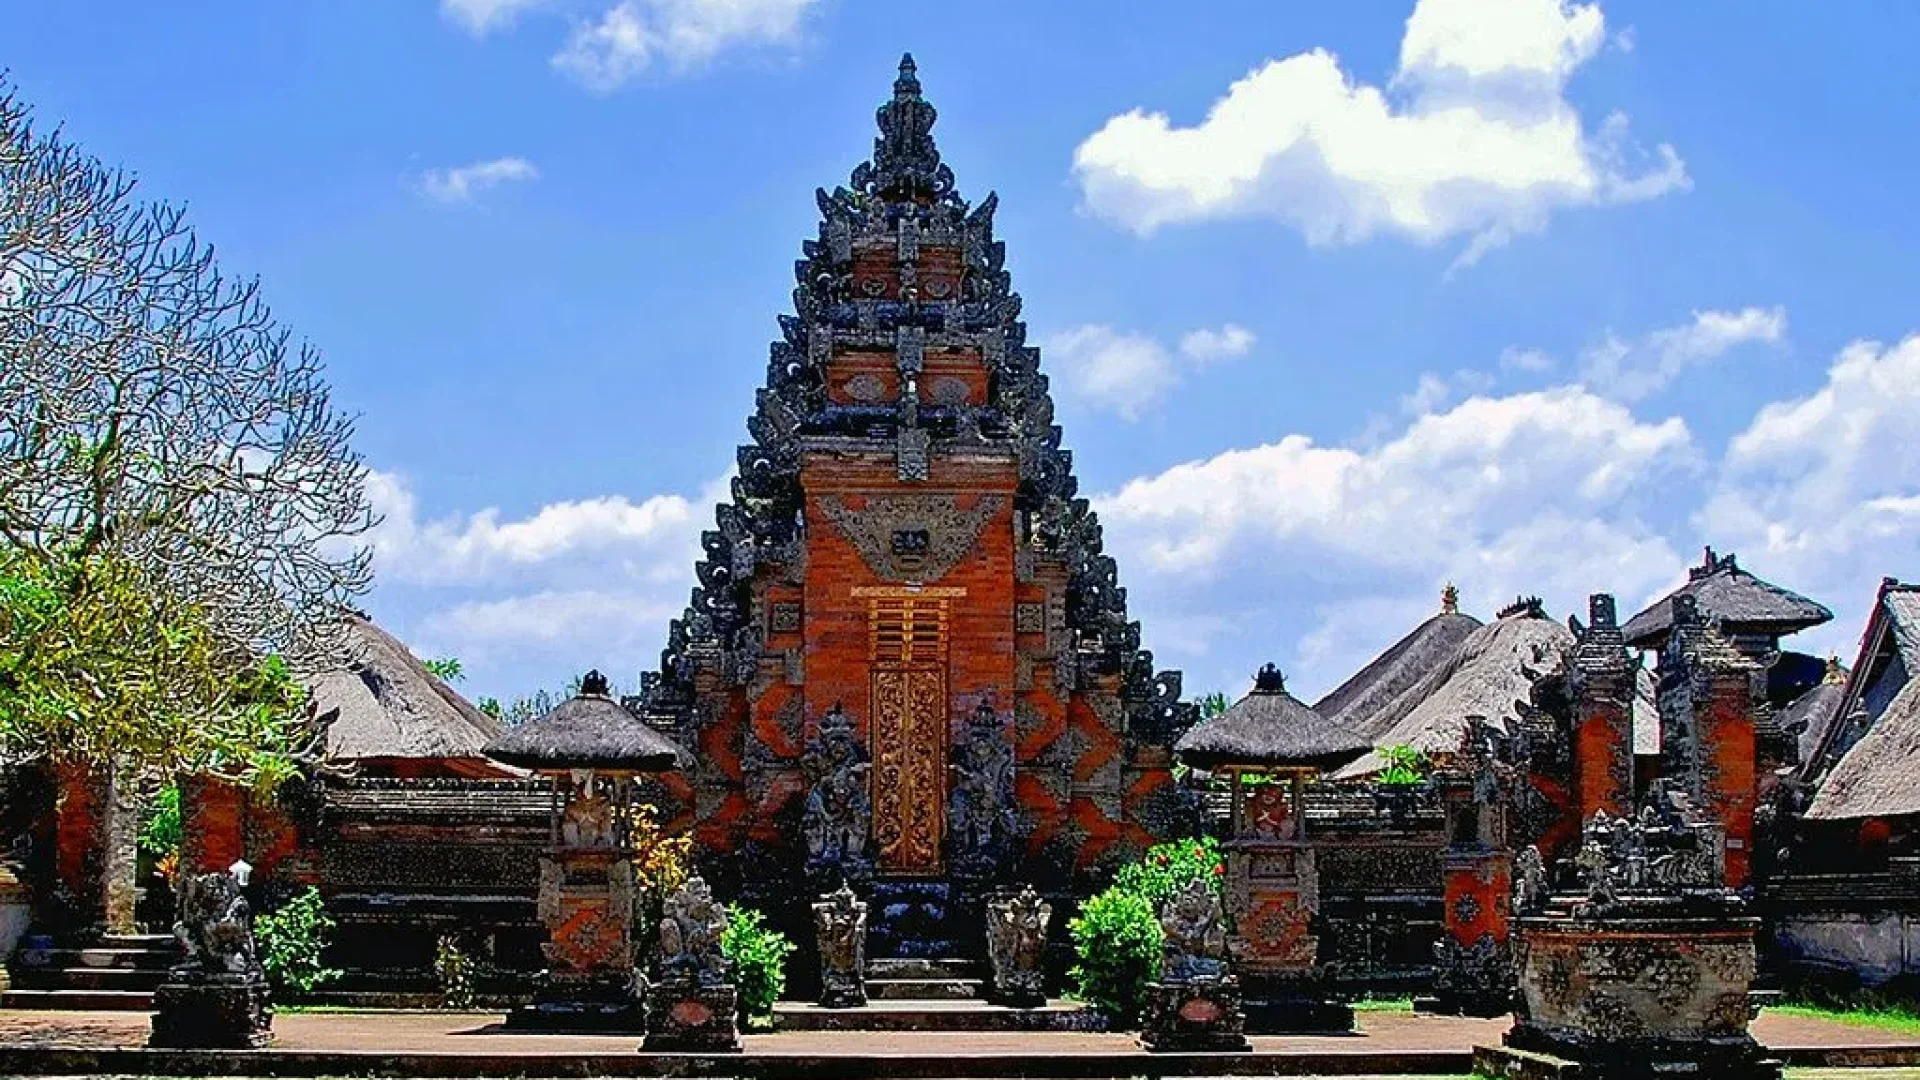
{"x": 449, "y": 1033}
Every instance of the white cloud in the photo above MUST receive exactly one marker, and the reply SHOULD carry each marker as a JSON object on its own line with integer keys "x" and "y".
{"x": 636, "y": 35}
{"x": 1822, "y": 493}
{"x": 1478, "y": 139}
{"x": 1514, "y": 358}
{"x": 480, "y": 16}
{"x": 461, "y": 184}
{"x": 1634, "y": 370}
{"x": 1119, "y": 372}
{"x": 483, "y": 548}
{"x": 1204, "y": 346}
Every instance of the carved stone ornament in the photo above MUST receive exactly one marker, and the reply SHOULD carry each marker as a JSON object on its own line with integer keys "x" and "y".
{"x": 215, "y": 927}
{"x": 951, "y": 532}
{"x": 1195, "y": 936}
{"x": 1195, "y": 1004}
{"x": 1016, "y": 945}
{"x": 980, "y": 816}
{"x": 838, "y": 815}
{"x": 690, "y": 929}
{"x": 866, "y": 387}
{"x": 840, "y": 923}
{"x": 948, "y": 390}
{"x": 217, "y": 996}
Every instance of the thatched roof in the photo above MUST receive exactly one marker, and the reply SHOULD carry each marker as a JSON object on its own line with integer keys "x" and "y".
{"x": 386, "y": 704}
{"x": 1645, "y": 712}
{"x": 1729, "y": 596}
{"x": 1269, "y": 728}
{"x": 1873, "y": 742}
{"x": 588, "y": 731}
{"x": 1812, "y": 713}
{"x": 1488, "y": 677}
{"x": 1374, "y": 698}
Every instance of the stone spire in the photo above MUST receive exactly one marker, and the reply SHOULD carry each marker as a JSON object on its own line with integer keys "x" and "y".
{"x": 905, "y": 164}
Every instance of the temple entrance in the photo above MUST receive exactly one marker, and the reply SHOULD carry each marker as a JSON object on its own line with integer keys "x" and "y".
{"x": 908, "y": 652}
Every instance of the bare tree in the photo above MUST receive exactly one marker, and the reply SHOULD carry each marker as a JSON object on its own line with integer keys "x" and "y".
{"x": 155, "y": 416}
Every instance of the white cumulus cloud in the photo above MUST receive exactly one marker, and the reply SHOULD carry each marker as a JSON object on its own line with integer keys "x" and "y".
{"x": 481, "y": 16}
{"x": 462, "y": 183}
{"x": 1205, "y": 346}
{"x": 1637, "y": 369}
{"x": 636, "y": 35}
{"x": 1120, "y": 372}
{"x": 1475, "y": 137}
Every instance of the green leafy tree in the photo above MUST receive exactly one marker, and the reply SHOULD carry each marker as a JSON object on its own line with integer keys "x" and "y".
{"x": 1117, "y": 940}
{"x": 179, "y": 501}
{"x": 293, "y": 941}
{"x": 447, "y": 668}
{"x": 1406, "y": 767}
{"x": 759, "y": 957}
{"x": 160, "y": 832}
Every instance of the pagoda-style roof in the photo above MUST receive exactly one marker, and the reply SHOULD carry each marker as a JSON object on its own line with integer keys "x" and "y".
{"x": 1375, "y": 697}
{"x": 587, "y": 731}
{"x": 1269, "y": 729}
{"x": 1731, "y": 597}
{"x": 1866, "y": 762}
{"x": 1487, "y": 677}
{"x": 385, "y": 703}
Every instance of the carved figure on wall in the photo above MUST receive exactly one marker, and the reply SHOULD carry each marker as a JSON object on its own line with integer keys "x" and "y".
{"x": 980, "y": 811}
{"x": 215, "y": 927}
{"x": 1194, "y": 928}
{"x": 588, "y": 821}
{"x": 840, "y": 921}
{"x": 1529, "y": 881}
{"x": 839, "y": 808}
{"x": 1270, "y": 811}
{"x": 690, "y": 929}
{"x": 1017, "y": 944}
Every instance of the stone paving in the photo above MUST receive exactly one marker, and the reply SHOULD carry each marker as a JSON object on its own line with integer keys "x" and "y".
{"x": 458, "y": 1033}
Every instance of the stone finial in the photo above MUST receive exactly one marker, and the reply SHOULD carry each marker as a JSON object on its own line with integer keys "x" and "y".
{"x": 1835, "y": 674}
{"x": 1600, "y": 612}
{"x": 1269, "y": 680}
{"x": 1450, "y": 600}
{"x": 593, "y": 684}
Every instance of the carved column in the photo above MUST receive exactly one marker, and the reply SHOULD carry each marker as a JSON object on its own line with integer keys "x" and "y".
{"x": 1473, "y": 973}
{"x": 1603, "y": 715}
{"x": 1707, "y": 730}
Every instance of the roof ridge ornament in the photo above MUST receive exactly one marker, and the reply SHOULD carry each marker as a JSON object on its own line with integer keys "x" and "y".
{"x": 1269, "y": 680}
{"x": 1450, "y": 600}
{"x": 906, "y": 164}
{"x": 593, "y": 684}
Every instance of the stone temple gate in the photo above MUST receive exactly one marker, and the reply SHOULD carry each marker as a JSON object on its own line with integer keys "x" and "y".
{"x": 907, "y": 663}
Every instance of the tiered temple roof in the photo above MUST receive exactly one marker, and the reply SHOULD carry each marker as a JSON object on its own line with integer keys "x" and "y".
{"x": 387, "y": 706}
{"x": 1740, "y": 604}
{"x": 1865, "y": 765}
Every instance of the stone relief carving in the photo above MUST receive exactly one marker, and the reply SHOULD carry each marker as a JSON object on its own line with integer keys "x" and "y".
{"x": 1016, "y": 946}
{"x": 690, "y": 929}
{"x": 980, "y": 809}
{"x": 951, "y": 532}
{"x": 839, "y": 808}
{"x": 1194, "y": 929}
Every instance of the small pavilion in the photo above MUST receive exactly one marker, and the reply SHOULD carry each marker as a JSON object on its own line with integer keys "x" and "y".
{"x": 1268, "y": 745}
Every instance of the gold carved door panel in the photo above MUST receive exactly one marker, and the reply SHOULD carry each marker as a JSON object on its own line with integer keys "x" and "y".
{"x": 909, "y": 775}
{"x": 908, "y": 652}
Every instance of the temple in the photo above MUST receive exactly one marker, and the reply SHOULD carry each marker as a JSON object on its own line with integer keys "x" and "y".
{"x": 907, "y": 586}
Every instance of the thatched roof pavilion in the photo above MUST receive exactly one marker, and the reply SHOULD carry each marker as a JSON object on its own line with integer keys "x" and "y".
{"x": 1487, "y": 677}
{"x": 384, "y": 712}
{"x": 1866, "y": 764}
{"x": 1739, "y": 603}
{"x": 1375, "y": 698}
{"x": 587, "y": 731}
{"x": 1811, "y": 714}
{"x": 1269, "y": 729}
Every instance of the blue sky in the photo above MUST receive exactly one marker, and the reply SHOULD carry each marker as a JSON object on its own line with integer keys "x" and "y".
{"x": 1340, "y": 301}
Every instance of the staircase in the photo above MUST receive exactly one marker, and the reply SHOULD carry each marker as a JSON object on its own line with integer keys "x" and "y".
{"x": 118, "y": 971}
{"x": 916, "y": 979}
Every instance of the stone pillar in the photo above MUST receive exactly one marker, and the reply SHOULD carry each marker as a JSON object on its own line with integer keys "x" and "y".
{"x": 1707, "y": 730}
{"x": 120, "y": 871}
{"x": 1602, "y": 686}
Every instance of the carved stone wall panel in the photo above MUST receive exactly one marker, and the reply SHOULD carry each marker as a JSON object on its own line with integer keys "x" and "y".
{"x": 950, "y": 531}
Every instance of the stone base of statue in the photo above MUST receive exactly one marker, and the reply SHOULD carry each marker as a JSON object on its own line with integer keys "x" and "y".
{"x": 1624, "y": 998}
{"x": 212, "y": 1012}
{"x": 1203, "y": 1015}
{"x": 608, "y": 1003}
{"x": 842, "y": 990}
{"x": 687, "y": 1017}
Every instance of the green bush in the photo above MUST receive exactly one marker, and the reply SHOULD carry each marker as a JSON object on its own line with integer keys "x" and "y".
{"x": 759, "y": 957}
{"x": 1117, "y": 938}
{"x": 1405, "y": 767}
{"x": 160, "y": 833}
{"x": 455, "y": 970}
{"x": 1166, "y": 868}
{"x": 291, "y": 940}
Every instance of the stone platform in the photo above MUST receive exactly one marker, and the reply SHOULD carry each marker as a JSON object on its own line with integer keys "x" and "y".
{"x": 476, "y": 1045}
{"x": 937, "y": 1016}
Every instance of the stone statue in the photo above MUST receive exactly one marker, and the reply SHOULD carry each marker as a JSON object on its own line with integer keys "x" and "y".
{"x": 980, "y": 811}
{"x": 840, "y": 921}
{"x": 1529, "y": 881}
{"x": 690, "y": 929}
{"x": 1017, "y": 945}
{"x": 839, "y": 808}
{"x": 215, "y": 927}
{"x": 1195, "y": 947}
{"x": 588, "y": 821}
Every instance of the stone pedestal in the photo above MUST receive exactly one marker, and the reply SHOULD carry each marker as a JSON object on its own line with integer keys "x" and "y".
{"x": 591, "y": 982}
{"x": 1626, "y": 997}
{"x": 608, "y": 1002}
{"x": 212, "y": 1012}
{"x": 1203, "y": 1015}
{"x": 684, "y": 1016}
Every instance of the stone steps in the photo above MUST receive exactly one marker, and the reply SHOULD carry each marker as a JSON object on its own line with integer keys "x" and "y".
{"x": 925, "y": 989}
{"x": 919, "y": 967}
{"x": 79, "y": 1000}
{"x": 936, "y": 1016}
{"x": 88, "y": 978}
{"x": 93, "y": 958}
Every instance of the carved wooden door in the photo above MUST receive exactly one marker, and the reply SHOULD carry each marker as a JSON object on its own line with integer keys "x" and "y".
{"x": 909, "y": 732}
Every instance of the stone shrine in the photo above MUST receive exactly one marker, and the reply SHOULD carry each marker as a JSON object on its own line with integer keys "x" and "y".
{"x": 908, "y": 663}
{"x": 1195, "y": 1003}
{"x": 216, "y": 997}
{"x": 693, "y": 1003}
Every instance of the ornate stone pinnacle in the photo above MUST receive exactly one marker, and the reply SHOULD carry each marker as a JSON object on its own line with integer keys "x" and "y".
{"x": 906, "y": 164}
{"x": 1450, "y": 600}
{"x": 1268, "y": 680}
{"x": 593, "y": 684}
{"x": 1835, "y": 673}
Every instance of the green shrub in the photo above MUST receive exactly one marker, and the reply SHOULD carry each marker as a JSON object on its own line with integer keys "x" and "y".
{"x": 1405, "y": 766}
{"x": 1166, "y": 868}
{"x": 759, "y": 957}
{"x": 454, "y": 968}
{"x": 160, "y": 833}
{"x": 1117, "y": 939}
{"x": 291, "y": 940}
